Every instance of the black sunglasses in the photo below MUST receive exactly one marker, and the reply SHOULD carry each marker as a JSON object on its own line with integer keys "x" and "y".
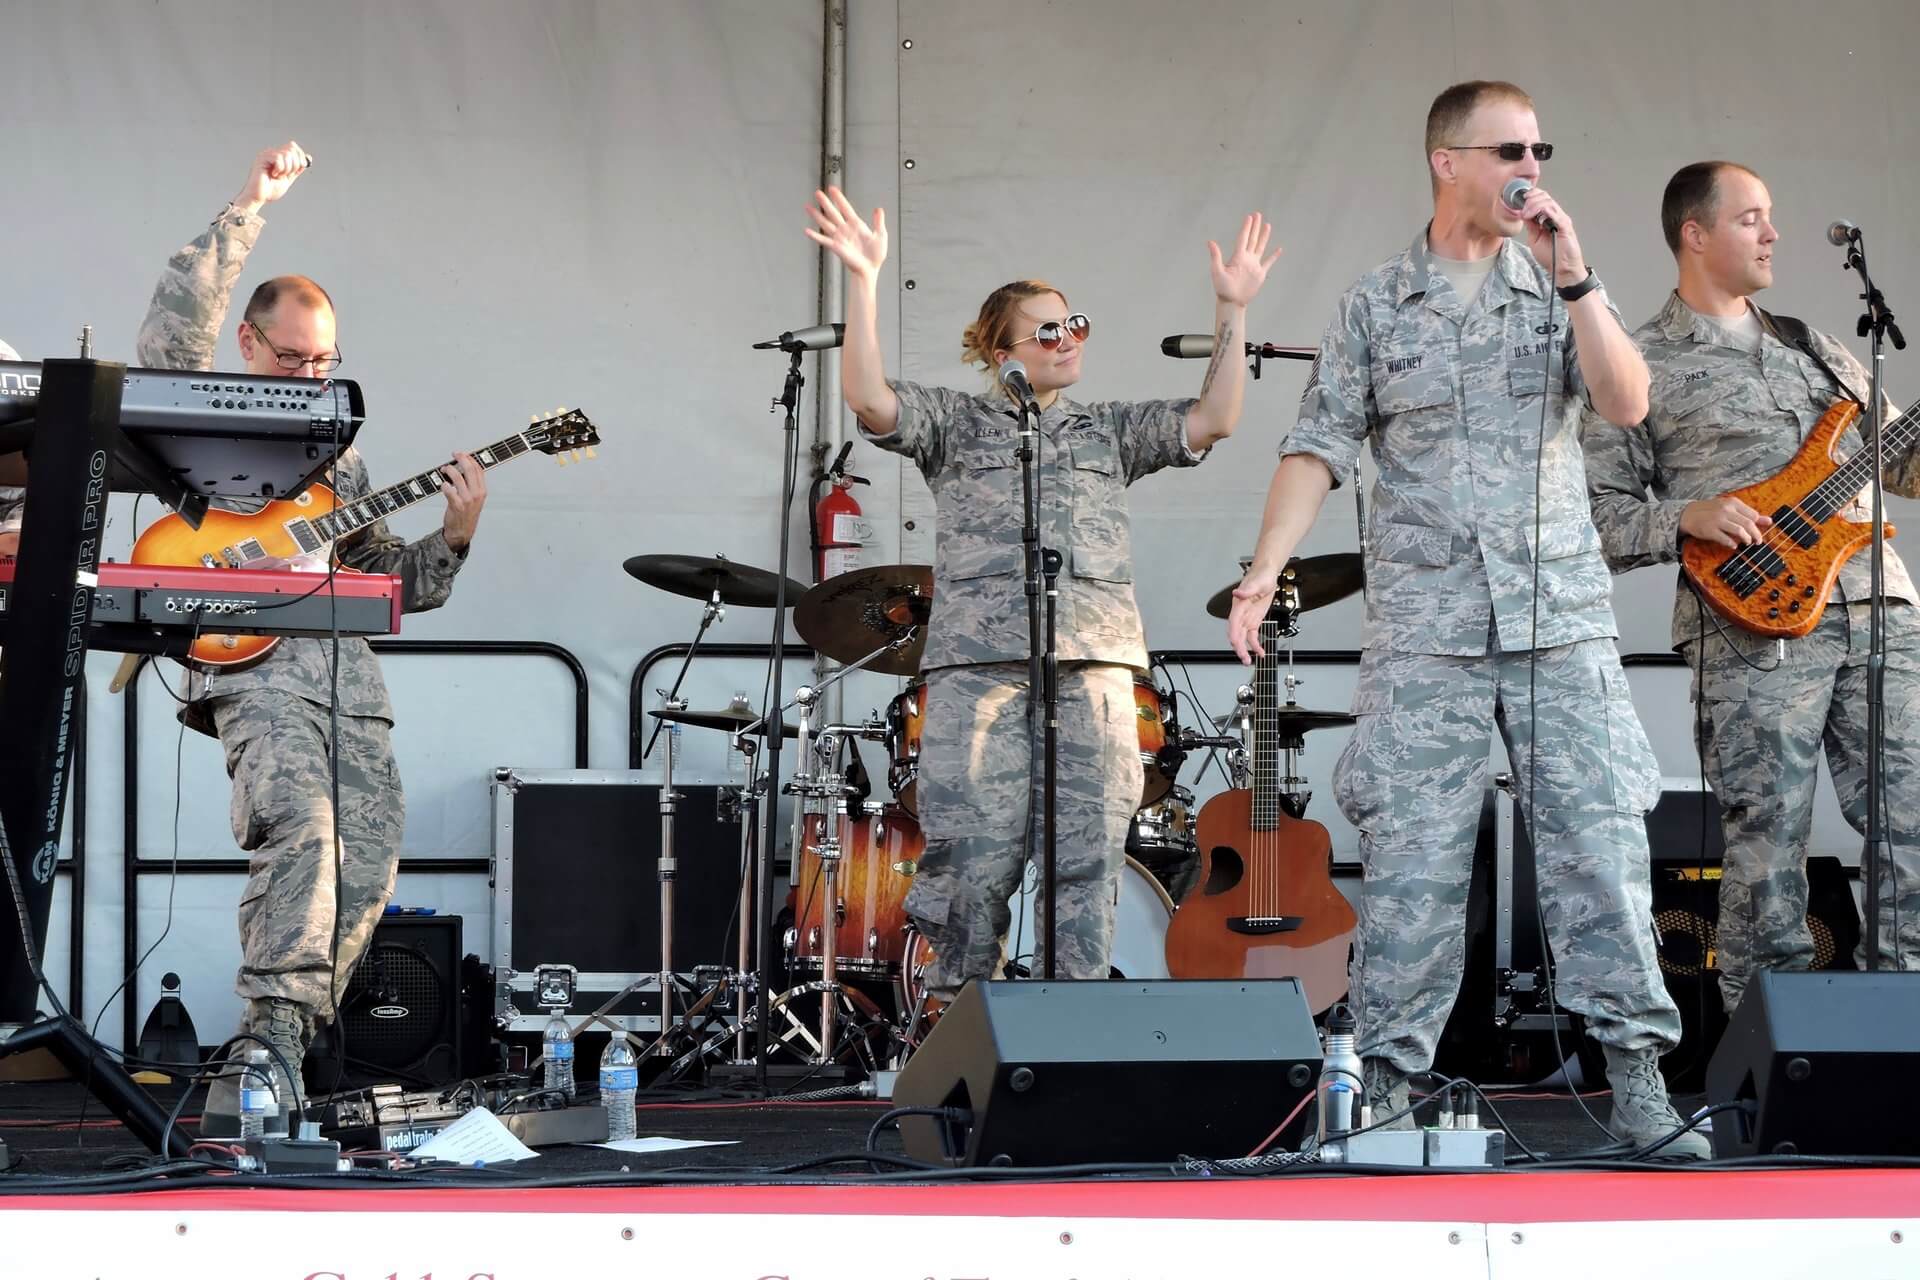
{"x": 1514, "y": 151}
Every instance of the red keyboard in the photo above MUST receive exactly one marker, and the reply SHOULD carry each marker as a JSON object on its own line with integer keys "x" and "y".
{"x": 267, "y": 602}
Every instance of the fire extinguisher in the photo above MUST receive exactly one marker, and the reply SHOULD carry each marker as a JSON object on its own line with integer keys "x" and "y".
{"x": 840, "y": 532}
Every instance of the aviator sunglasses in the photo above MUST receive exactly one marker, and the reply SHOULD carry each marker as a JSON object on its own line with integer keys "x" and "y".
{"x": 1512, "y": 152}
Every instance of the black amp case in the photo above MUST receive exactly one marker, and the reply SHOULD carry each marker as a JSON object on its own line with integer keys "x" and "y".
{"x": 576, "y": 859}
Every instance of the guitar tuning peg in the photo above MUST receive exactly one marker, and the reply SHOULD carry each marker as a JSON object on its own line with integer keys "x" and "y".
{"x": 591, "y": 452}
{"x": 533, "y": 417}
{"x": 561, "y": 458}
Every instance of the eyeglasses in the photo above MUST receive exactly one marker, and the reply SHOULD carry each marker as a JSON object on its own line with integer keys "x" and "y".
{"x": 292, "y": 361}
{"x": 1049, "y": 334}
{"x": 1514, "y": 151}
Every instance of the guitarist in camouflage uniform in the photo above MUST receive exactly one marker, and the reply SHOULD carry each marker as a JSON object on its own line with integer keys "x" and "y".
{"x": 275, "y": 719}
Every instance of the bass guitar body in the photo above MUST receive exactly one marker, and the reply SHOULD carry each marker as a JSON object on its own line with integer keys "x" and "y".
{"x": 231, "y": 539}
{"x": 1264, "y": 904}
{"x": 1780, "y": 586}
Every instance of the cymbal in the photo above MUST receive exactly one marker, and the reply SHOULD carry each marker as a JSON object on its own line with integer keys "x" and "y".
{"x": 1319, "y": 580}
{"x": 1296, "y": 721}
{"x": 731, "y": 720}
{"x": 700, "y": 576}
{"x": 849, "y": 616}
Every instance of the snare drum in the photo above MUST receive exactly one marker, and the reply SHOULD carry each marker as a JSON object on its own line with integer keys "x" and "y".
{"x": 905, "y": 716}
{"x": 879, "y": 852}
{"x": 1162, "y": 838}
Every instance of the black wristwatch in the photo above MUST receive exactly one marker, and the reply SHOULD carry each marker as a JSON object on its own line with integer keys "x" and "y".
{"x": 1575, "y": 292}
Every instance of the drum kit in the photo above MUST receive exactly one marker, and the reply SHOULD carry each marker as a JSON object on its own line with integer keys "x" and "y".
{"x": 854, "y": 960}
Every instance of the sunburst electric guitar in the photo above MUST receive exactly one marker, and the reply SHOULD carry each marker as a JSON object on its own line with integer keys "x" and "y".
{"x": 1779, "y": 586}
{"x": 300, "y": 533}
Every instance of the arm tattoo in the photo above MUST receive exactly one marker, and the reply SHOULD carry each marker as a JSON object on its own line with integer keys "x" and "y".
{"x": 1222, "y": 342}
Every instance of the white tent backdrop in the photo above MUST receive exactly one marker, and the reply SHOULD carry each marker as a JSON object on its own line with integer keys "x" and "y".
{"x": 518, "y": 206}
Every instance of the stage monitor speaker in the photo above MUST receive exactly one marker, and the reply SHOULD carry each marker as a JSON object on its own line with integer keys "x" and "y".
{"x": 1057, "y": 1073}
{"x": 1820, "y": 1064}
{"x": 401, "y": 1012}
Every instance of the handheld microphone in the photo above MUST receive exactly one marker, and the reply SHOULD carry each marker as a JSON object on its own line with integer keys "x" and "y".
{"x": 1514, "y": 194}
{"x": 1842, "y": 233}
{"x": 818, "y": 337}
{"x": 1013, "y": 376}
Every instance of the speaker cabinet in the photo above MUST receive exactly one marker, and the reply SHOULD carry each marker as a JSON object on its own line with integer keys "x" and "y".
{"x": 400, "y": 1018}
{"x": 1820, "y": 1064}
{"x": 1089, "y": 1072}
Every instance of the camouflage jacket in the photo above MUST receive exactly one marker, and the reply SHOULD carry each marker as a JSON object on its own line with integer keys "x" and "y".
{"x": 1449, "y": 394}
{"x": 1088, "y": 455}
{"x": 1722, "y": 418}
{"x": 182, "y": 331}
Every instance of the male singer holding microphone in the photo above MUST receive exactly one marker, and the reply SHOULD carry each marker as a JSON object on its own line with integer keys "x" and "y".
{"x": 1439, "y": 359}
{"x": 1735, "y": 392}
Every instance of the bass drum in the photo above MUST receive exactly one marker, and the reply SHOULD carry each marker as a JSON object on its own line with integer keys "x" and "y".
{"x": 1139, "y": 940}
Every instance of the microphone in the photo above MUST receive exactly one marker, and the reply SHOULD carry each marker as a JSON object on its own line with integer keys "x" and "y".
{"x": 1514, "y": 194}
{"x": 1198, "y": 346}
{"x": 1013, "y": 376}
{"x": 817, "y": 337}
{"x": 1842, "y": 233}
{"x": 1187, "y": 346}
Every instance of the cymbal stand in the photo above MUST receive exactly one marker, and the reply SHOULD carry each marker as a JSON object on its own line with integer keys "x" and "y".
{"x": 712, "y": 612}
{"x": 668, "y": 868}
{"x": 751, "y": 949}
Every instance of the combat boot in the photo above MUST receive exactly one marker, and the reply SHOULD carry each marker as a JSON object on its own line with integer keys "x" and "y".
{"x": 1642, "y": 1112}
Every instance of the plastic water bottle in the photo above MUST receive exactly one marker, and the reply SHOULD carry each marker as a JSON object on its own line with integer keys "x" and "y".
{"x": 556, "y": 1057}
{"x": 619, "y": 1083}
{"x": 258, "y": 1103}
{"x": 1342, "y": 1088}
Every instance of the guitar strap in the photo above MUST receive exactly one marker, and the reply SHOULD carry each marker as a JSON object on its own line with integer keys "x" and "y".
{"x": 1795, "y": 333}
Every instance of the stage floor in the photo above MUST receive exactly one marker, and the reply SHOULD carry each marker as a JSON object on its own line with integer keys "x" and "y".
{"x": 67, "y": 1210}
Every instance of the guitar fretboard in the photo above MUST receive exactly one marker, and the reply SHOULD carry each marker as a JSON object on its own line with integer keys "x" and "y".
{"x": 353, "y": 516}
{"x": 1266, "y": 730}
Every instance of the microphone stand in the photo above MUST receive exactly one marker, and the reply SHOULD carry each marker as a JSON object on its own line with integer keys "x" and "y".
{"x": 1876, "y": 322}
{"x": 1050, "y": 565}
{"x": 1028, "y": 453}
{"x": 788, "y": 399}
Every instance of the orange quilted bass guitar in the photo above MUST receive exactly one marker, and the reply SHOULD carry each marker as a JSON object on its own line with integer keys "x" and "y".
{"x": 299, "y": 533}
{"x": 1780, "y": 585}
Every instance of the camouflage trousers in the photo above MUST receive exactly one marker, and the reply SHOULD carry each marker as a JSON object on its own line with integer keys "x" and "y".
{"x": 1761, "y": 729}
{"x": 981, "y": 775}
{"x": 292, "y": 931}
{"x": 1413, "y": 779}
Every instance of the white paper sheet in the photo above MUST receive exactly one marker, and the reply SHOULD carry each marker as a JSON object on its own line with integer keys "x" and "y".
{"x": 476, "y": 1138}
{"x": 641, "y": 1146}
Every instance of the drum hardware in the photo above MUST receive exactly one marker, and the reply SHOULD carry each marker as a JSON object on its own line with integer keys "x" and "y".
{"x": 822, "y": 794}
{"x": 733, "y": 720}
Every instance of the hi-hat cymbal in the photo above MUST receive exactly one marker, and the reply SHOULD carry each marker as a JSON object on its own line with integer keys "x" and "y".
{"x": 731, "y": 720}
{"x": 700, "y": 576}
{"x": 1292, "y": 721}
{"x": 849, "y": 616}
{"x": 1318, "y": 580}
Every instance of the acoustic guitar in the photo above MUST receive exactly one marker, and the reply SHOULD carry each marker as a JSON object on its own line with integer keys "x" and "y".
{"x": 300, "y": 533}
{"x": 1779, "y": 586}
{"x": 1263, "y": 904}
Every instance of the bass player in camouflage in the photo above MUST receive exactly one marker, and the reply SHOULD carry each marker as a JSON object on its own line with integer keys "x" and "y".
{"x": 299, "y": 942}
{"x": 1441, "y": 361}
{"x": 1733, "y": 396}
